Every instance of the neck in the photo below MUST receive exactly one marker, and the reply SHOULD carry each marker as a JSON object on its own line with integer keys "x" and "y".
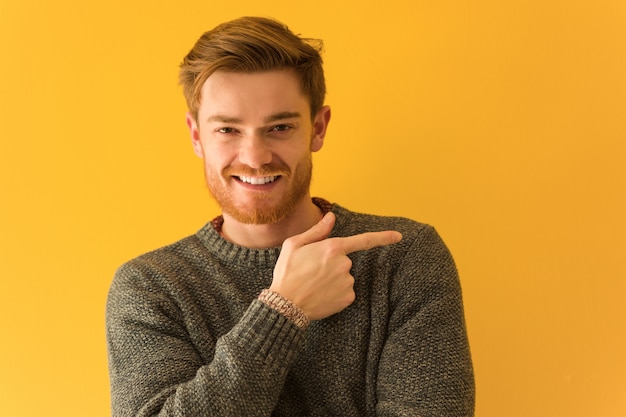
{"x": 261, "y": 236}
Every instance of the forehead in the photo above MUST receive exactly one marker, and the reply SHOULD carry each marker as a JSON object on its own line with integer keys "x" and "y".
{"x": 252, "y": 94}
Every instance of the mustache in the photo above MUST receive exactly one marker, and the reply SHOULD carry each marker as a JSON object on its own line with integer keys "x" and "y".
{"x": 277, "y": 168}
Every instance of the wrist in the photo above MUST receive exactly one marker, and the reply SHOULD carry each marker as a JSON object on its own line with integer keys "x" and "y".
{"x": 285, "y": 307}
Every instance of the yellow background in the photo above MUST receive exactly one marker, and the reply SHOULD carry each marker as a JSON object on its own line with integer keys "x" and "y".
{"x": 500, "y": 122}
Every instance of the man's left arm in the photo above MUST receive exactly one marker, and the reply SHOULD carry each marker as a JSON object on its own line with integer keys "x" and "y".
{"x": 425, "y": 367}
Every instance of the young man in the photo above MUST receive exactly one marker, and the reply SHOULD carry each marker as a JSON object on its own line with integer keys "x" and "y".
{"x": 285, "y": 305}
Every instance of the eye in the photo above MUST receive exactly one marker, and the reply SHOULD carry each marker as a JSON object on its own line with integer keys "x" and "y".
{"x": 226, "y": 130}
{"x": 282, "y": 128}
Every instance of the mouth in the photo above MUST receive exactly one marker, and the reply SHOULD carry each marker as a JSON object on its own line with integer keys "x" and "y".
{"x": 258, "y": 180}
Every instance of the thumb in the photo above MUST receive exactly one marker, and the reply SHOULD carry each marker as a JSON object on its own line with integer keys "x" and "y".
{"x": 319, "y": 231}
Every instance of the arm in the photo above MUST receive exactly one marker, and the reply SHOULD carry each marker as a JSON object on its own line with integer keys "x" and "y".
{"x": 425, "y": 368}
{"x": 155, "y": 368}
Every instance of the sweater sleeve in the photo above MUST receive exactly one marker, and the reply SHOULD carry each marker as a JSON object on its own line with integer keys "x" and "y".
{"x": 425, "y": 367}
{"x": 156, "y": 370}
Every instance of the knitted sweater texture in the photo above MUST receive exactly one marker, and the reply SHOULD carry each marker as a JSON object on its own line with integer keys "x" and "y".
{"x": 187, "y": 336}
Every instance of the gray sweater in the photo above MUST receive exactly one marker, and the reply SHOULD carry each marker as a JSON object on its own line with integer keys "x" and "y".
{"x": 187, "y": 337}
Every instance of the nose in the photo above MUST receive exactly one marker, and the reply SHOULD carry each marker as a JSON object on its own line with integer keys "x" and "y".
{"x": 254, "y": 152}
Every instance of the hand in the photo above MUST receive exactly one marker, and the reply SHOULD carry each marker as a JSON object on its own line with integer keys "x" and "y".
{"x": 313, "y": 272}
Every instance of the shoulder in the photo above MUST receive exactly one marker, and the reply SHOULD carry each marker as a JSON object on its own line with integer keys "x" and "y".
{"x": 351, "y": 223}
{"x": 155, "y": 268}
{"x": 168, "y": 256}
{"x": 421, "y": 245}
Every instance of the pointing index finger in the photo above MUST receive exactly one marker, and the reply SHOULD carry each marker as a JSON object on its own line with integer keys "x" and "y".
{"x": 369, "y": 240}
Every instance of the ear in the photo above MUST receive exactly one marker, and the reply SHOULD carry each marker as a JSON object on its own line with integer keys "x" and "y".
{"x": 320, "y": 125}
{"x": 194, "y": 133}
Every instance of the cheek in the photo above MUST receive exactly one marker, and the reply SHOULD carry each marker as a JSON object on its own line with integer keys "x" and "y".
{"x": 217, "y": 157}
{"x": 294, "y": 153}
{"x": 212, "y": 164}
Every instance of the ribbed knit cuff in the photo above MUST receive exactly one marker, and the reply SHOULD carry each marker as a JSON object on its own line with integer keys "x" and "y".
{"x": 268, "y": 335}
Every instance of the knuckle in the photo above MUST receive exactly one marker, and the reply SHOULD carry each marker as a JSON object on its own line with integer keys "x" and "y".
{"x": 366, "y": 240}
{"x": 333, "y": 246}
{"x": 350, "y": 281}
{"x": 331, "y": 250}
{"x": 347, "y": 263}
{"x": 350, "y": 297}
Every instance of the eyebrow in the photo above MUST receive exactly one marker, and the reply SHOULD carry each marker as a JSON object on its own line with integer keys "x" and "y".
{"x": 223, "y": 119}
{"x": 281, "y": 116}
{"x": 269, "y": 119}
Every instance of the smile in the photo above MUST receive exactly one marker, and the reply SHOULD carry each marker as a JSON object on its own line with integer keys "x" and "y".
{"x": 258, "y": 180}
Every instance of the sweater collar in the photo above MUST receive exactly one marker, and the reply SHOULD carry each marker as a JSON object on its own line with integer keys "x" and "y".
{"x": 229, "y": 252}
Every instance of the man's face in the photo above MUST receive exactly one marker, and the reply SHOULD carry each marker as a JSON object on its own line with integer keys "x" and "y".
{"x": 255, "y": 134}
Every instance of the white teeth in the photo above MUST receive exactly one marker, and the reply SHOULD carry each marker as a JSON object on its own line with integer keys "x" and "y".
{"x": 258, "y": 180}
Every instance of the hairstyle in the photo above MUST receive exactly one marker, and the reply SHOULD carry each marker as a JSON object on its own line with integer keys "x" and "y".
{"x": 253, "y": 44}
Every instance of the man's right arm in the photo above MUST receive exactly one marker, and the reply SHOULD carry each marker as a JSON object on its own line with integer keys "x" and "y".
{"x": 156, "y": 370}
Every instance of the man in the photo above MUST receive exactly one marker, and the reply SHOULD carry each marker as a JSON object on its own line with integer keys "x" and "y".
{"x": 285, "y": 305}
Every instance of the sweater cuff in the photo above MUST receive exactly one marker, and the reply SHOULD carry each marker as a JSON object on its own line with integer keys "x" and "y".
{"x": 270, "y": 335}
